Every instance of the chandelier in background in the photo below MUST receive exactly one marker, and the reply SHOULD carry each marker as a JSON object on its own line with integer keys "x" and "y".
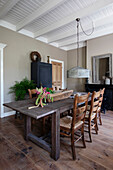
{"x": 79, "y": 72}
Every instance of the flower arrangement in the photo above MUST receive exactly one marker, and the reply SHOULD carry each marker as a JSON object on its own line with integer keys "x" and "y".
{"x": 43, "y": 94}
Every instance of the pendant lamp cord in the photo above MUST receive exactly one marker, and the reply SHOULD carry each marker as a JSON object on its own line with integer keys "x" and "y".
{"x": 77, "y": 41}
{"x": 85, "y": 32}
{"x": 78, "y": 22}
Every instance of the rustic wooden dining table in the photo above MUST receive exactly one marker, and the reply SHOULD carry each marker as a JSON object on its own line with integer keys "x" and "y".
{"x": 54, "y": 109}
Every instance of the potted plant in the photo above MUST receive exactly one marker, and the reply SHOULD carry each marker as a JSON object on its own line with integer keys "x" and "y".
{"x": 20, "y": 89}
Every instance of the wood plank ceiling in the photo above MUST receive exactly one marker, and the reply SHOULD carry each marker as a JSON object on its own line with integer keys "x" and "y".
{"x": 54, "y": 21}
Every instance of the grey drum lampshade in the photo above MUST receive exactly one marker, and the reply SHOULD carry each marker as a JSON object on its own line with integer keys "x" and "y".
{"x": 78, "y": 72}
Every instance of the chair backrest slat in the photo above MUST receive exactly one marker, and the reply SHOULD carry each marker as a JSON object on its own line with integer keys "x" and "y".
{"x": 101, "y": 96}
{"x": 94, "y": 102}
{"x": 97, "y": 94}
{"x": 95, "y": 109}
{"x": 82, "y": 98}
{"x": 80, "y": 107}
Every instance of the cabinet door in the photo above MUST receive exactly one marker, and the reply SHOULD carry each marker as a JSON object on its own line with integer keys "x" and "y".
{"x": 45, "y": 75}
{"x": 57, "y": 74}
{"x": 109, "y": 99}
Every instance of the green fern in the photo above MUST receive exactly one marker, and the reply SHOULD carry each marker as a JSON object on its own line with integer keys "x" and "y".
{"x": 21, "y": 88}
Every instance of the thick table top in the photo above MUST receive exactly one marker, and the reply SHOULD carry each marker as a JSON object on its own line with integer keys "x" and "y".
{"x": 38, "y": 112}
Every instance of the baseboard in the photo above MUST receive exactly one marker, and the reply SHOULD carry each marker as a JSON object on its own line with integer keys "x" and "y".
{"x": 8, "y": 114}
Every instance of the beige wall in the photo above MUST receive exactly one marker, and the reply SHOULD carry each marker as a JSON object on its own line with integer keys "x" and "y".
{"x": 17, "y": 60}
{"x": 99, "y": 46}
{"x": 76, "y": 84}
{"x": 0, "y": 83}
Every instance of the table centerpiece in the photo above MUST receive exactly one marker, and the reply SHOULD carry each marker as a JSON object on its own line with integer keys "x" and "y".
{"x": 43, "y": 94}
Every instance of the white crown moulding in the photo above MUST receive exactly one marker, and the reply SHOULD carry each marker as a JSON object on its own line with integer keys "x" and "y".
{"x": 7, "y": 25}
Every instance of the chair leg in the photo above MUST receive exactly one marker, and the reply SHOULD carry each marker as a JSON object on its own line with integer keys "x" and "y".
{"x": 89, "y": 129}
{"x": 97, "y": 120}
{"x": 100, "y": 117}
{"x": 97, "y": 128}
{"x": 82, "y": 133}
{"x": 96, "y": 125}
{"x": 72, "y": 146}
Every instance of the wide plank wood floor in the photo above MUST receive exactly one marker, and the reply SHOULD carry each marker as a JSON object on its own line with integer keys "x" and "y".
{"x": 17, "y": 154}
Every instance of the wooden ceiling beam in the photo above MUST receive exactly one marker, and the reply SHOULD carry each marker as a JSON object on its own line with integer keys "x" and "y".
{"x": 97, "y": 23}
{"x": 51, "y": 4}
{"x": 97, "y": 34}
{"x": 7, "y": 7}
{"x": 74, "y": 46}
{"x": 81, "y": 13}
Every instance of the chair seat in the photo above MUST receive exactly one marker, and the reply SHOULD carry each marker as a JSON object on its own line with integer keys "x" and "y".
{"x": 66, "y": 122}
{"x": 92, "y": 115}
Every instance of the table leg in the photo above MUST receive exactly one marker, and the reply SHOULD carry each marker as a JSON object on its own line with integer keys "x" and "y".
{"x": 27, "y": 129}
{"x": 55, "y": 130}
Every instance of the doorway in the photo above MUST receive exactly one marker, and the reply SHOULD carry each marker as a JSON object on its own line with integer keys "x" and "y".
{"x": 102, "y": 66}
{"x": 57, "y": 74}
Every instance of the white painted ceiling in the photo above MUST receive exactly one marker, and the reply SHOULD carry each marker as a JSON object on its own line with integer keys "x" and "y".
{"x": 54, "y": 21}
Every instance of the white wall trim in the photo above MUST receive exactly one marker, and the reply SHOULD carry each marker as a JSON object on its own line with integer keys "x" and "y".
{"x": 8, "y": 114}
{"x": 2, "y": 46}
{"x": 59, "y": 61}
{"x": 7, "y": 25}
{"x": 27, "y": 33}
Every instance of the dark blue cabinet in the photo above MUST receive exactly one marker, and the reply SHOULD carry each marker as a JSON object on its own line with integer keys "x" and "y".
{"x": 41, "y": 73}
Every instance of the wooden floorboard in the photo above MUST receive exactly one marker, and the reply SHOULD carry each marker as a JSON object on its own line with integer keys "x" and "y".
{"x": 17, "y": 154}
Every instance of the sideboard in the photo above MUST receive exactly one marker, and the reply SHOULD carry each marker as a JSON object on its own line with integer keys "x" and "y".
{"x": 108, "y": 94}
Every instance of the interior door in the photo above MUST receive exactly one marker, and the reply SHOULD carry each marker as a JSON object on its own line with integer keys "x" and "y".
{"x": 56, "y": 75}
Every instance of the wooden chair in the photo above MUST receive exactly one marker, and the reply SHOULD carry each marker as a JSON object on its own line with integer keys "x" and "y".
{"x": 63, "y": 89}
{"x": 51, "y": 88}
{"x": 69, "y": 125}
{"x": 100, "y": 104}
{"x": 31, "y": 93}
{"x": 91, "y": 114}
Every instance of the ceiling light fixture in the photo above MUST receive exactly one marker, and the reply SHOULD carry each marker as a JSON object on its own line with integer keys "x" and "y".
{"x": 79, "y": 72}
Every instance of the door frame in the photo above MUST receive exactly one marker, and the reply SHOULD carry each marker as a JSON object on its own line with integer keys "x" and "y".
{"x": 2, "y": 112}
{"x": 59, "y": 61}
{"x": 2, "y": 46}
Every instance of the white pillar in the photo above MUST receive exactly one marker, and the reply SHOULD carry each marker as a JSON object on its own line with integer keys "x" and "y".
{"x": 2, "y": 46}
